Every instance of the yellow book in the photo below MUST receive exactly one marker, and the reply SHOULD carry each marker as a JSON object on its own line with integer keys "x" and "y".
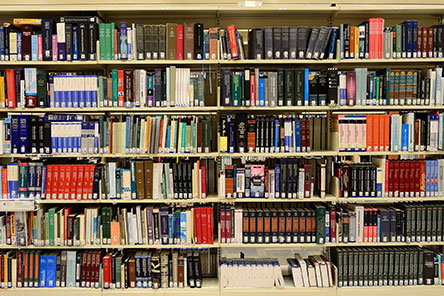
{"x": 223, "y": 144}
{"x": 2, "y": 92}
{"x": 148, "y": 134}
{"x": 357, "y": 42}
{"x": 26, "y": 21}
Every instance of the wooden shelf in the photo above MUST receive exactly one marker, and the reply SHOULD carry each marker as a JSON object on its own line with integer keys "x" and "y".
{"x": 177, "y": 246}
{"x": 328, "y": 198}
{"x": 391, "y": 291}
{"x": 390, "y": 61}
{"x": 386, "y": 199}
{"x": 281, "y": 154}
{"x": 277, "y": 62}
{"x": 375, "y": 153}
{"x": 365, "y": 109}
{"x": 110, "y": 155}
{"x": 112, "y": 109}
{"x": 158, "y": 62}
{"x": 284, "y": 109}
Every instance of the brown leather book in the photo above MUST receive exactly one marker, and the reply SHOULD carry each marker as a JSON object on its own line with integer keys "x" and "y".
{"x": 188, "y": 41}
{"x": 148, "y": 167}
{"x": 171, "y": 30}
{"x": 26, "y": 42}
{"x": 132, "y": 272}
{"x": 140, "y": 183}
{"x": 181, "y": 271}
{"x": 213, "y": 32}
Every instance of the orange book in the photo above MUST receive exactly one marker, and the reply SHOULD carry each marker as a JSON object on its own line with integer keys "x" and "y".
{"x": 148, "y": 133}
{"x": 382, "y": 128}
{"x": 352, "y": 41}
{"x": 369, "y": 132}
{"x": 386, "y": 132}
{"x": 229, "y": 180}
{"x": 160, "y": 134}
{"x": 115, "y": 44}
{"x": 356, "y": 42}
{"x": 68, "y": 176}
{"x": 375, "y": 128}
{"x": 115, "y": 233}
{"x": 31, "y": 269}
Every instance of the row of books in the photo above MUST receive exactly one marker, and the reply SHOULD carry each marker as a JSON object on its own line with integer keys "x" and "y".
{"x": 387, "y": 266}
{"x": 32, "y": 87}
{"x": 272, "y": 134}
{"x": 416, "y": 222}
{"x": 407, "y": 132}
{"x": 314, "y": 271}
{"x": 284, "y": 87}
{"x": 372, "y": 40}
{"x": 73, "y": 38}
{"x": 132, "y": 180}
{"x": 68, "y": 226}
{"x": 58, "y": 133}
{"x": 274, "y": 179}
{"x": 188, "y": 41}
{"x": 108, "y": 270}
{"x": 364, "y": 87}
{"x": 271, "y": 225}
{"x": 391, "y": 178}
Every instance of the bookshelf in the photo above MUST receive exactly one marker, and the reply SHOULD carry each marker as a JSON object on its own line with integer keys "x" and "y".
{"x": 274, "y": 13}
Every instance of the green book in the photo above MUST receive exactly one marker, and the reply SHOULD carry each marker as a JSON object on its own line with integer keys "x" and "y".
{"x": 47, "y": 228}
{"x": 188, "y": 131}
{"x": 195, "y": 98}
{"x": 172, "y": 85}
{"x": 107, "y": 49}
{"x": 42, "y": 91}
{"x": 23, "y": 181}
{"x": 194, "y": 137}
{"x": 184, "y": 136}
{"x": 206, "y": 135}
{"x": 398, "y": 48}
{"x": 320, "y": 224}
{"x": 51, "y": 213}
{"x": 115, "y": 84}
{"x": 101, "y": 92}
{"x": 112, "y": 27}
{"x": 102, "y": 41}
{"x": 118, "y": 271}
{"x": 236, "y": 89}
{"x": 377, "y": 88}
{"x": 289, "y": 94}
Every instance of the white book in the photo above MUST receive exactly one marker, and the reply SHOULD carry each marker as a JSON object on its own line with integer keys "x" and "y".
{"x": 138, "y": 222}
{"x": 438, "y": 86}
{"x": 157, "y": 181}
{"x": 111, "y": 166}
{"x": 304, "y": 270}
{"x": 189, "y": 229}
{"x": 359, "y": 210}
{"x": 311, "y": 274}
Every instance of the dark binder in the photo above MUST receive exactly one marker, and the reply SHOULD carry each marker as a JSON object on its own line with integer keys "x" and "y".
{"x": 277, "y": 42}
{"x": 268, "y": 43}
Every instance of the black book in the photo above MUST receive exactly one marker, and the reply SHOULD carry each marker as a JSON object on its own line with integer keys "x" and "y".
{"x": 277, "y": 42}
{"x": 285, "y": 38}
{"x": 293, "y": 43}
{"x": 247, "y": 88}
{"x": 47, "y": 31}
{"x": 7, "y": 30}
{"x": 284, "y": 178}
{"x": 158, "y": 87}
{"x": 429, "y": 269}
{"x": 92, "y": 40}
{"x": 190, "y": 271}
{"x": 333, "y": 83}
{"x": 309, "y": 54}
{"x": 241, "y": 120}
{"x": 198, "y": 41}
{"x": 245, "y": 226}
{"x": 226, "y": 88}
{"x": 140, "y": 42}
{"x": 324, "y": 47}
{"x": 83, "y": 39}
{"x": 197, "y": 270}
{"x": 189, "y": 179}
{"x": 313, "y": 88}
{"x": 34, "y": 125}
{"x": 180, "y": 188}
{"x": 289, "y": 97}
{"x": 346, "y": 36}
{"x": 68, "y": 41}
{"x": 174, "y": 167}
{"x": 268, "y": 43}
{"x": 321, "y": 39}
{"x": 302, "y": 41}
{"x": 322, "y": 88}
{"x": 256, "y": 44}
{"x": 42, "y": 137}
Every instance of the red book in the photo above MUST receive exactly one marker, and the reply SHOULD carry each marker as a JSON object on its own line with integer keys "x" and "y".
{"x": 20, "y": 269}
{"x": 401, "y": 177}
{"x": 252, "y": 90}
{"x": 120, "y": 89}
{"x": 376, "y": 136}
{"x": 366, "y": 222}
{"x": 203, "y": 180}
{"x": 26, "y": 42}
{"x": 48, "y": 192}
{"x": 266, "y": 180}
{"x": 233, "y": 42}
{"x": 106, "y": 271}
{"x": 413, "y": 180}
{"x": 420, "y": 43}
{"x": 80, "y": 176}
{"x": 204, "y": 225}
{"x": 351, "y": 88}
{"x": 4, "y": 172}
{"x": 210, "y": 225}
{"x": 381, "y": 38}
{"x": 73, "y": 179}
{"x": 197, "y": 226}
{"x": 91, "y": 180}
{"x": 387, "y": 132}
{"x": 61, "y": 182}
{"x": 115, "y": 44}
{"x": 372, "y": 38}
{"x": 85, "y": 184}
{"x": 11, "y": 100}
{"x": 68, "y": 174}
{"x": 179, "y": 44}
{"x": 333, "y": 226}
{"x": 222, "y": 226}
{"x": 83, "y": 277}
{"x": 40, "y": 48}
{"x": 422, "y": 166}
{"x": 87, "y": 267}
{"x": 55, "y": 181}
{"x": 382, "y": 128}
{"x": 228, "y": 226}
{"x": 430, "y": 42}
{"x": 396, "y": 178}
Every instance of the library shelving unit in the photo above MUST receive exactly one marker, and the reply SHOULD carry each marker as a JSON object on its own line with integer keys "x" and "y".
{"x": 245, "y": 14}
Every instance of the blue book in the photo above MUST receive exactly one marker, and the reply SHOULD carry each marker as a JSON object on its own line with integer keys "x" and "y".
{"x": 277, "y": 180}
{"x": 43, "y": 182}
{"x": 51, "y": 263}
{"x": 123, "y": 41}
{"x": 133, "y": 179}
{"x": 75, "y": 43}
{"x": 138, "y": 262}
{"x": 298, "y": 135}
{"x": 414, "y": 40}
{"x": 24, "y": 133}
{"x": 183, "y": 227}
{"x": 82, "y": 95}
{"x": 43, "y": 271}
{"x": 34, "y": 48}
{"x": 428, "y": 177}
{"x": 15, "y": 134}
{"x": 234, "y": 176}
{"x": 2, "y": 43}
{"x": 379, "y": 184}
{"x": 404, "y": 137}
{"x": 127, "y": 134}
{"x": 306, "y": 85}
{"x": 435, "y": 178}
{"x": 261, "y": 90}
{"x": 19, "y": 46}
{"x": 86, "y": 92}
{"x": 95, "y": 128}
{"x": 167, "y": 144}
{"x": 31, "y": 181}
{"x": 287, "y": 125}
{"x": 93, "y": 90}
{"x": 130, "y": 53}
{"x": 177, "y": 228}
{"x": 276, "y": 134}
{"x": 292, "y": 149}
{"x": 333, "y": 41}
